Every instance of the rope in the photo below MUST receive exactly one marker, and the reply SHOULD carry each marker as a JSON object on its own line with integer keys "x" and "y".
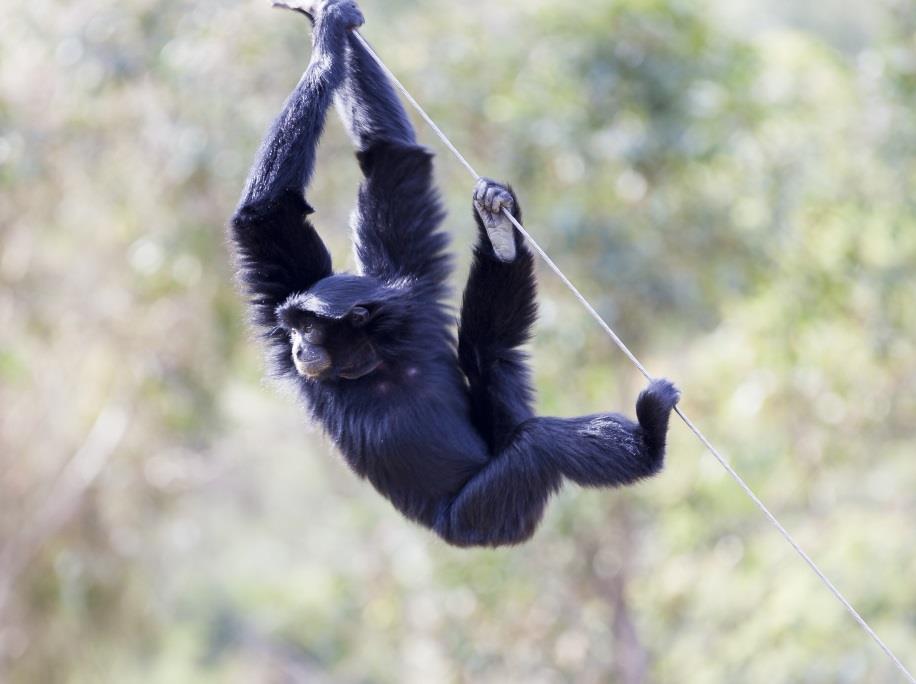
{"x": 642, "y": 369}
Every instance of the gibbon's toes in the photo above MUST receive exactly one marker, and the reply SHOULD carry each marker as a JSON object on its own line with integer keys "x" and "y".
{"x": 480, "y": 190}
{"x": 492, "y": 196}
{"x": 495, "y": 194}
{"x": 664, "y": 392}
{"x": 483, "y": 191}
{"x": 503, "y": 200}
{"x": 488, "y": 198}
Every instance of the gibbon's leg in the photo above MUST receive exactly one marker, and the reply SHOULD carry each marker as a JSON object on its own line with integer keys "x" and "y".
{"x": 497, "y": 313}
{"x": 608, "y": 449}
{"x": 504, "y": 501}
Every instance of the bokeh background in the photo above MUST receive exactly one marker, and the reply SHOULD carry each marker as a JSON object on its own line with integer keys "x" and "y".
{"x": 733, "y": 183}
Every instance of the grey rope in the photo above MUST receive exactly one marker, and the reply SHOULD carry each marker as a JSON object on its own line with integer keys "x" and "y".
{"x": 642, "y": 369}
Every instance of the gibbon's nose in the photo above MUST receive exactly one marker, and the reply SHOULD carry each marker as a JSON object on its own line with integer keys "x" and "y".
{"x": 313, "y": 360}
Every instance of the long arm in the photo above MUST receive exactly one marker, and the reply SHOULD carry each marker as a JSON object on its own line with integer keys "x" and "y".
{"x": 287, "y": 156}
{"x": 278, "y": 251}
{"x": 398, "y": 212}
{"x": 368, "y": 105}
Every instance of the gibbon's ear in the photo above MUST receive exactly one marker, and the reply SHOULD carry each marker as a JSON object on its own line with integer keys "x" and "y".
{"x": 361, "y": 314}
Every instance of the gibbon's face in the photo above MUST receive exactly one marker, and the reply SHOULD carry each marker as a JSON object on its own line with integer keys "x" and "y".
{"x": 330, "y": 348}
{"x": 336, "y": 326}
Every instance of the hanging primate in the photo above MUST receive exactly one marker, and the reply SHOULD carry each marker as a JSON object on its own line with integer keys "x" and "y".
{"x": 446, "y": 433}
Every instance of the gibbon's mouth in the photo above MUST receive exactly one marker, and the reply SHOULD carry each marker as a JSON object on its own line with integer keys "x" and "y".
{"x": 311, "y": 362}
{"x": 314, "y": 363}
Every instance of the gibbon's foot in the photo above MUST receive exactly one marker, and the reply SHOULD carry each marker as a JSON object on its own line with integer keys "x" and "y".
{"x": 662, "y": 393}
{"x": 653, "y": 411}
{"x": 490, "y": 198}
{"x": 345, "y": 11}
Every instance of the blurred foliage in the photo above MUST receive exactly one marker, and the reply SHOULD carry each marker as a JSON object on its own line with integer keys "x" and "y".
{"x": 736, "y": 197}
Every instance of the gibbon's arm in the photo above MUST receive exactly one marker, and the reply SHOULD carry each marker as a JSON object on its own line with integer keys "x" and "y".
{"x": 278, "y": 251}
{"x": 398, "y": 211}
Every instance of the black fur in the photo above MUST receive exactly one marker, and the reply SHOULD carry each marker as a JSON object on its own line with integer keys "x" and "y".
{"x": 449, "y": 438}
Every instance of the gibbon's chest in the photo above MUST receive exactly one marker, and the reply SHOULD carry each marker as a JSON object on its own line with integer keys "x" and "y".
{"x": 418, "y": 403}
{"x": 415, "y": 420}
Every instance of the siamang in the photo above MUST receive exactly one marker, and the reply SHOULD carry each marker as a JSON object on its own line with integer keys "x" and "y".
{"x": 446, "y": 432}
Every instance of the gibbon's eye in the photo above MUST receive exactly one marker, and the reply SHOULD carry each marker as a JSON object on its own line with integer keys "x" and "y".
{"x": 359, "y": 315}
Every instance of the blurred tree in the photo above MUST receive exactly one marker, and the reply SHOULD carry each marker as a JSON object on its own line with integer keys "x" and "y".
{"x": 740, "y": 208}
